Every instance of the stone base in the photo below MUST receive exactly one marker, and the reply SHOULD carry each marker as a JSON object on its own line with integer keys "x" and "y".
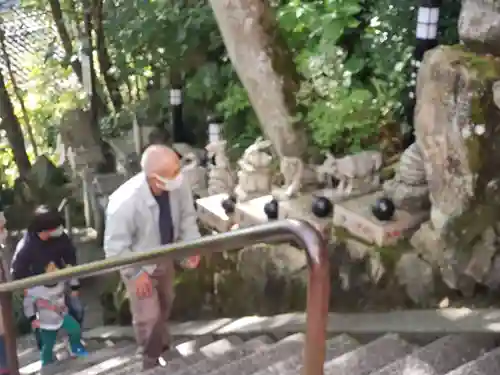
{"x": 355, "y": 216}
{"x": 211, "y": 213}
{"x": 251, "y": 212}
{"x": 300, "y": 208}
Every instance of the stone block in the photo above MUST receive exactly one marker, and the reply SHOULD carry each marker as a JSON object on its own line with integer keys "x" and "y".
{"x": 211, "y": 213}
{"x": 301, "y": 208}
{"x": 356, "y": 217}
{"x": 251, "y": 212}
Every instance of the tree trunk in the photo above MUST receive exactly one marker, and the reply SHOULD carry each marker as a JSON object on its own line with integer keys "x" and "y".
{"x": 112, "y": 84}
{"x": 17, "y": 92}
{"x": 12, "y": 128}
{"x": 266, "y": 68}
{"x": 94, "y": 97}
{"x": 57, "y": 15}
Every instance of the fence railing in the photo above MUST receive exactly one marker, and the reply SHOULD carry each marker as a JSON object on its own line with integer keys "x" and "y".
{"x": 301, "y": 233}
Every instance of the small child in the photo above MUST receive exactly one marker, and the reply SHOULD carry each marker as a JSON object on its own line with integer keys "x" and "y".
{"x": 46, "y": 308}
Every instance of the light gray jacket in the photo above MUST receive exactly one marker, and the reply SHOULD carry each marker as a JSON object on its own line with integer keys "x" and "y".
{"x": 132, "y": 220}
{"x": 48, "y": 304}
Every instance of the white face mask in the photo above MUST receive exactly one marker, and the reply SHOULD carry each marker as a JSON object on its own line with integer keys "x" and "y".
{"x": 170, "y": 185}
{"x": 58, "y": 232}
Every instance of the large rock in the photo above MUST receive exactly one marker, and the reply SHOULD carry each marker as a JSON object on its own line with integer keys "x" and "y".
{"x": 277, "y": 273}
{"x": 455, "y": 125}
{"x": 416, "y": 276}
{"x": 479, "y": 25}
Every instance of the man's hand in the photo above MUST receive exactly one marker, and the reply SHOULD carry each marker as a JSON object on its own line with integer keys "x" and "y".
{"x": 75, "y": 293}
{"x": 191, "y": 262}
{"x": 143, "y": 285}
{"x": 35, "y": 324}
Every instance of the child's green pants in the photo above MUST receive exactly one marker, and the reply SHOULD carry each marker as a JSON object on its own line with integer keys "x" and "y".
{"x": 48, "y": 338}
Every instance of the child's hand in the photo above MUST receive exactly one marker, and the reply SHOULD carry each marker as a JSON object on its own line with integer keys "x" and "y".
{"x": 35, "y": 324}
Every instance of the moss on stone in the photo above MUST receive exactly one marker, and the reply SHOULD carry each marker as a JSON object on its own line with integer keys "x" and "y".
{"x": 485, "y": 69}
{"x": 342, "y": 235}
{"x": 389, "y": 254}
{"x": 482, "y": 212}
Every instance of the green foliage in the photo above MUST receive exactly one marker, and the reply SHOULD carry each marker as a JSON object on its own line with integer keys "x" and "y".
{"x": 354, "y": 57}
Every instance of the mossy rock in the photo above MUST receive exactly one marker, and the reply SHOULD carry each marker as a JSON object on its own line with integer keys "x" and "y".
{"x": 456, "y": 126}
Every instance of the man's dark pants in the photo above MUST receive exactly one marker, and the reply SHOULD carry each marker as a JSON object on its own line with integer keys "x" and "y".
{"x": 75, "y": 309}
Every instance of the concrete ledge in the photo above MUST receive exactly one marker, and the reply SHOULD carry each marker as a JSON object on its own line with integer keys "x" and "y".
{"x": 443, "y": 321}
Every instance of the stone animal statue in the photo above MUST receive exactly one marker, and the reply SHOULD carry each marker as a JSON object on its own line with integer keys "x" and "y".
{"x": 218, "y": 149}
{"x": 190, "y": 161}
{"x": 352, "y": 171}
{"x": 292, "y": 169}
{"x": 255, "y": 174}
{"x": 256, "y": 155}
{"x": 220, "y": 175}
{"x": 195, "y": 173}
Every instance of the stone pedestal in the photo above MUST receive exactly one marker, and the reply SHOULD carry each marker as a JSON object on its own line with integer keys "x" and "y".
{"x": 355, "y": 216}
{"x": 300, "y": 208}
{"x": 211, "y": 213}
{"x": 251, "y": 212}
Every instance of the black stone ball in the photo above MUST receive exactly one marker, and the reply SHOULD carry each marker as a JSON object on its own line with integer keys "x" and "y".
{"x": 228, "y": 205}
{"x": 321, "y": 207}
{"x": 271, "y": 209}
{"x": 384, "y": 209}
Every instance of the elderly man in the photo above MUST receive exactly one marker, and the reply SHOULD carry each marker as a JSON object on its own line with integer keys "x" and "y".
{"x": 153, "y": 208}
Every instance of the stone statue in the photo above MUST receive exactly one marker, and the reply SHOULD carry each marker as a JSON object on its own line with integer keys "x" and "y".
{"x": 292, "y": 169}
{"x": 356, "y": 174}
{"x": 220, "y": 176}
{"x": 255, "y": 174}
{"x": 195, "y": 173}
{"x": 408, "y": 189}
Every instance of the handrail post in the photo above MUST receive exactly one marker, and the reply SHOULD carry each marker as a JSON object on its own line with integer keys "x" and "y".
{"x": 318, "y": 296}
{"x": 9, "y": 325}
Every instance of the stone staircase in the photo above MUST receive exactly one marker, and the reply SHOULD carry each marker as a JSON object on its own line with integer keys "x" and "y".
{"x": 268, "y": 354}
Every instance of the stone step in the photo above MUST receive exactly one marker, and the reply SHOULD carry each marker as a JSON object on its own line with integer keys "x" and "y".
{"x": 113, "y": 364}
{"x": 197, "y": 356}
{"x": 335, "y": 347}
{"x": 29, "y": 357}
{"x": 70, "y": 366}
{"x": 243, "y": 350}
{"x": 440, "y": 356}
{"x": 222, "y": 346}
{"x": 175, "y": 358}
{"x": 252, "y": 363}
{"x": 370, "y": 357}
{"x": 487, "y": 364}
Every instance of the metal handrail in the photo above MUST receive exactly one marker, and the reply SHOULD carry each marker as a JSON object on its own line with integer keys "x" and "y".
{"x": 303, "y": 234}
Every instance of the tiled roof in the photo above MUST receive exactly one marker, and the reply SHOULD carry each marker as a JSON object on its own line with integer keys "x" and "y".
{"x": 27, "y": 33}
